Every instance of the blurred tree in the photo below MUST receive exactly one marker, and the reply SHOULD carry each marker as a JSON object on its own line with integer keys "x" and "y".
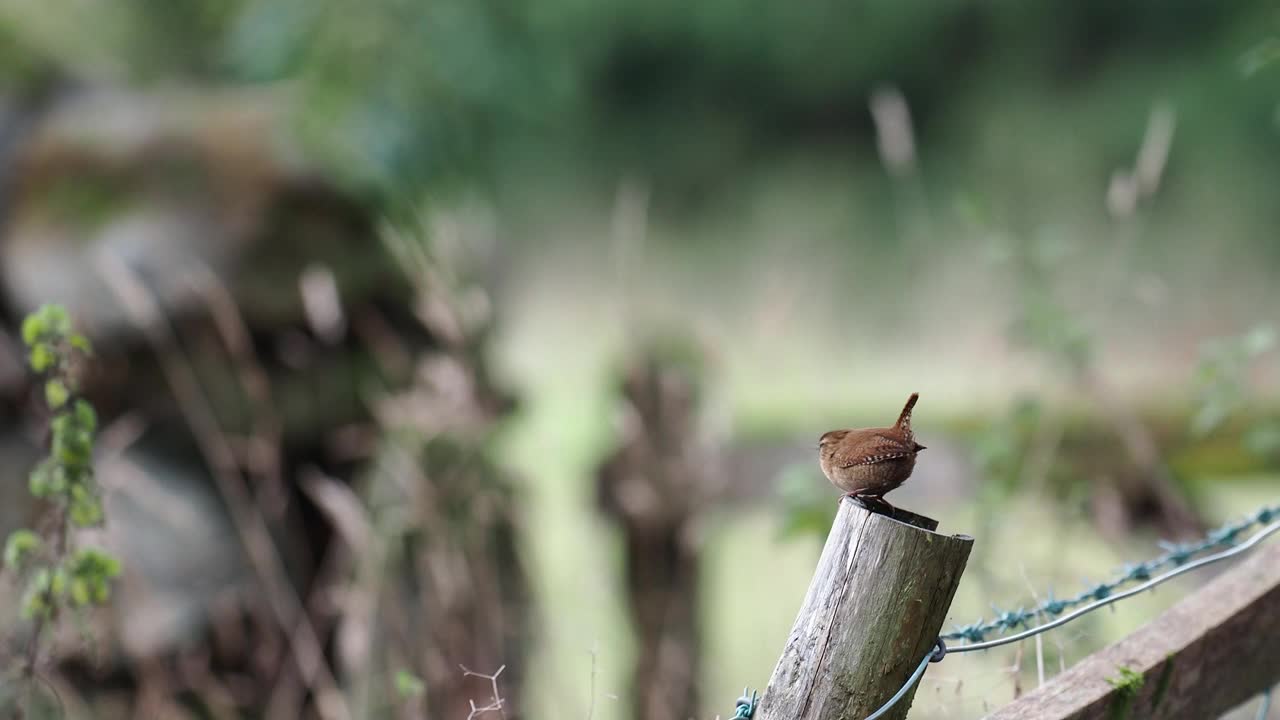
{"x": 656, "y": 486}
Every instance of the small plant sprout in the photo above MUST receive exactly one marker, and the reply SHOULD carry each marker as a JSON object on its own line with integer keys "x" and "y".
{"x": 58, "y": 575}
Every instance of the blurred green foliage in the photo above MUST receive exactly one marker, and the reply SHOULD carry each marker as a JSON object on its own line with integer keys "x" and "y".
{"x": 807, "y": 505}
{"x": 397, "y": 95}
{"x": 1222, "y": 376}
{"x": 1000, "y": 449}
{"x": 409, "y": 685}
{"x": 21, "y": 546}
{"x": 1225, "y": 390}
{"x": 401, "y": 95}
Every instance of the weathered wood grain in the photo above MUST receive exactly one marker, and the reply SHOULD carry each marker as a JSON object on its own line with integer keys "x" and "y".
{"x": 1209, "y": 653}
{"x": 877, "y": 600}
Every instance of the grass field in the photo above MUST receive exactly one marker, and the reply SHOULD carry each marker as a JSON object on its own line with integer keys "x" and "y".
{"x": 780, "y": 369}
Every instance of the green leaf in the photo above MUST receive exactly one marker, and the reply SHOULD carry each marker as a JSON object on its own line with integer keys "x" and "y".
{"x": 35, "y": 601}
{"x": 85, "y": 512}
{"x": 32, "y": 329}
{"x": 19, "y": 548}
{"x": 81, "y": 343}
{"x": 86, "y": 417}
{"x": 85, "y": 507}
{"x": 46, "y": 479}
{"x": 65, "y": 477}
{"x": 58, "y": 583}
{"x": 95, "y": 561}
{"x": 91, "y": 572}
{"x": 409, "y": 685}
{"x": 56, "y": 394}
{"x": 56, "y": 320}
{"x": 38, "y": 483}
{"x": 80, "y": 592}
{"x": 72, "y": 448}
{"x": 42, "y": 357}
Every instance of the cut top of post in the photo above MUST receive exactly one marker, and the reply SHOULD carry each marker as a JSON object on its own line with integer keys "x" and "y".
{"x": 902, "y": 516}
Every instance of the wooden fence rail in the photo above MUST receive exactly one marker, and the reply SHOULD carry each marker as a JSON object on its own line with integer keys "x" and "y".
{"x": 1204, "y": 656}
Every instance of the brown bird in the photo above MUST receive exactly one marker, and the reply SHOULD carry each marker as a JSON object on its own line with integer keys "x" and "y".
{"x": 870, "y": 462}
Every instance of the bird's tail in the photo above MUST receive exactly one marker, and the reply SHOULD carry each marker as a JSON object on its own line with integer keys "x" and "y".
{"x": 904, "y": 420}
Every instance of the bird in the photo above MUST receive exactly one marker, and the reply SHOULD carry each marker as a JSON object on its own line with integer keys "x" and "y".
{"x": 868, "y": 463}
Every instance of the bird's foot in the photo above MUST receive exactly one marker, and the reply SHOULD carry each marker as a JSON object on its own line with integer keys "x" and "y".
{"x": 875, "y": 503}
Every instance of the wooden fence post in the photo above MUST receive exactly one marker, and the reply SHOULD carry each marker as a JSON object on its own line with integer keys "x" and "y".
{"x": 874, "y": 608}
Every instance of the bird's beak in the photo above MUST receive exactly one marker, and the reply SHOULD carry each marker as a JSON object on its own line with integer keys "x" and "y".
{"x": 920, "y": 447}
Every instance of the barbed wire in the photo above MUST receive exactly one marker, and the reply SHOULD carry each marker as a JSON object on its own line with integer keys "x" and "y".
{"x": 1108, "y": 599}
{"x": 1177, "y": 556}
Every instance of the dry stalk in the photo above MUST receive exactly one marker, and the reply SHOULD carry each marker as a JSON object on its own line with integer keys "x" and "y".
{"x": 496, "y": 703}
{"x": 305, "y": 646}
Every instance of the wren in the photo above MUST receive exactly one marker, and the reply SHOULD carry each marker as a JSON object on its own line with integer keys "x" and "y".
{"x": 868, "y": 463}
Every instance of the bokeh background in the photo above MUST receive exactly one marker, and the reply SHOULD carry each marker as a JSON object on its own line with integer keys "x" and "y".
{"x": 509, "y": 328}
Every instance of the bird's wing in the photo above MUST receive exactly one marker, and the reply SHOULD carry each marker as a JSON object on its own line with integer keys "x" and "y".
{"x": 879, "y": 448}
